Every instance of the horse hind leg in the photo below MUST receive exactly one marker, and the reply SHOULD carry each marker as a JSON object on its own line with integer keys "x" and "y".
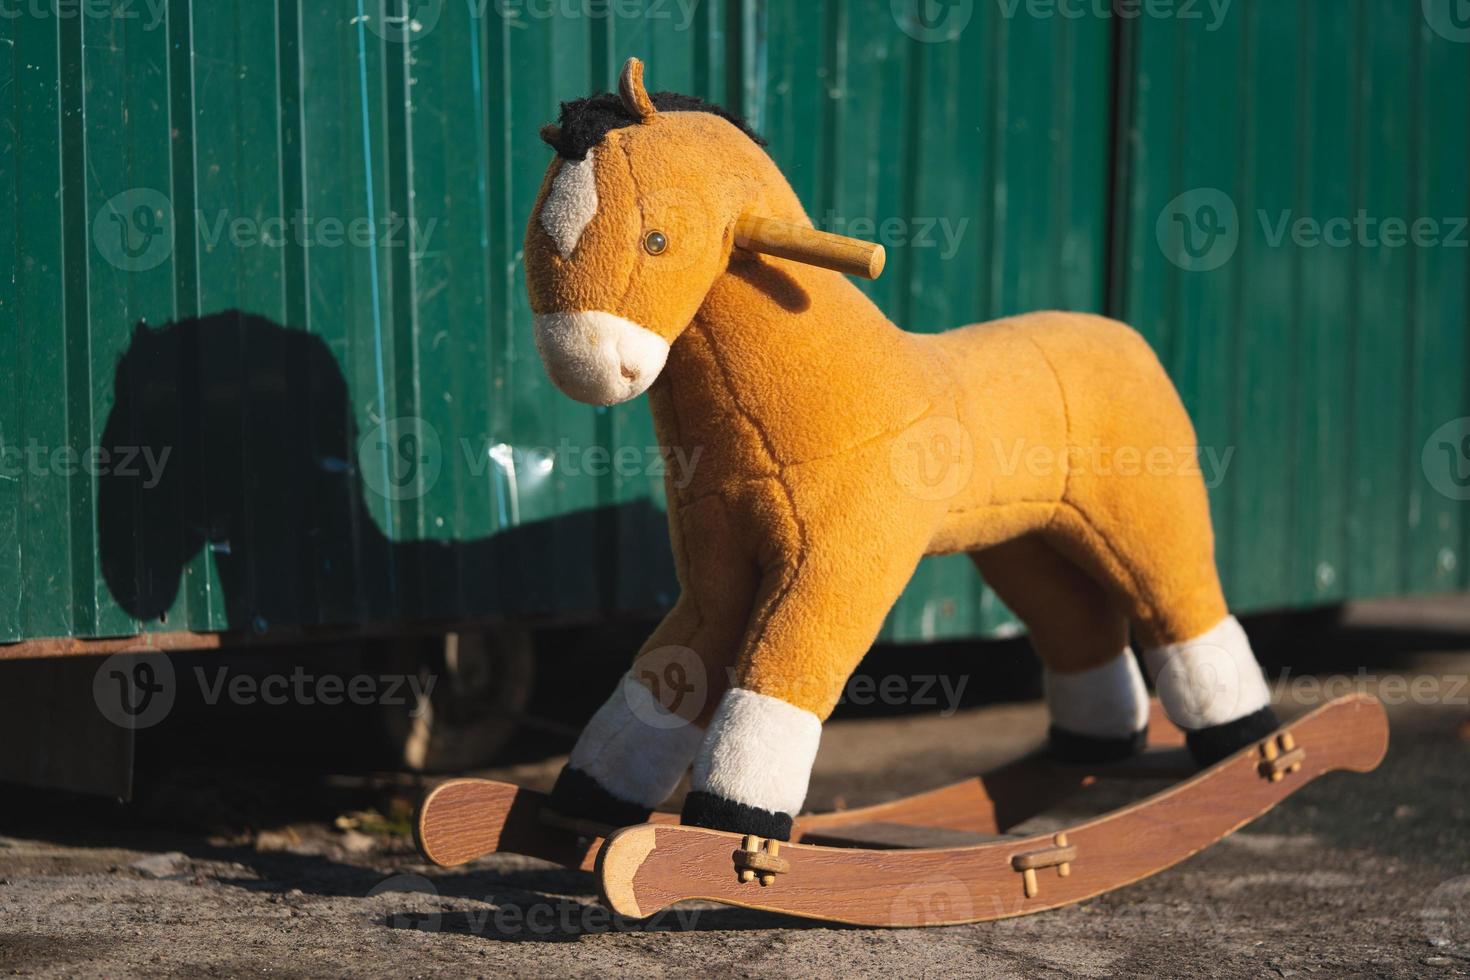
{"x": 1094, "y": 689}
{"x": 1148, "y": 537}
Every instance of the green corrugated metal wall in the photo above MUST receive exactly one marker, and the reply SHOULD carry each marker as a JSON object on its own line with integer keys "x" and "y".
{"x": 1326, "y": 369}
{"x": 1048, "y": 144}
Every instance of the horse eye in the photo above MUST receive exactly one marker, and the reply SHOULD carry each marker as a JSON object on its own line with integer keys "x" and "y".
{"x": 654, "y": 242}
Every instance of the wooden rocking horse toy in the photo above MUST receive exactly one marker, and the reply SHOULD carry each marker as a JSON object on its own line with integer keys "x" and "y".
{"x": 666, "y": 253}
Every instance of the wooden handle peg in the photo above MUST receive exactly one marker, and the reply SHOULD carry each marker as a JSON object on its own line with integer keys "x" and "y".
{"x": 799, "y": 243}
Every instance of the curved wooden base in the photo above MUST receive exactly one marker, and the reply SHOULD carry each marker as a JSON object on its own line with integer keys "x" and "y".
{"x": 461, "y": 820}
{"x": 646, "y": 868}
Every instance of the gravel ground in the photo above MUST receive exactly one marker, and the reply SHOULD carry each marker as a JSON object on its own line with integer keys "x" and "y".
{"x": 1352, "y": 876}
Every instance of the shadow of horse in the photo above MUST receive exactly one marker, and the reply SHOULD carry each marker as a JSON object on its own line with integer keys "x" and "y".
{"x": 236, "y": 434}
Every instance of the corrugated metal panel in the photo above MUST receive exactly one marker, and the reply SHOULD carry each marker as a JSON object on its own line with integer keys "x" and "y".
{"x": 371, "y": 437}
{"x": 1322, "y": 368}
{"x": 10, "y": 543}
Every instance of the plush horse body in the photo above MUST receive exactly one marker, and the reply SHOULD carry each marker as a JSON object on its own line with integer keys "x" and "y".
{"x": 835, "y": 451}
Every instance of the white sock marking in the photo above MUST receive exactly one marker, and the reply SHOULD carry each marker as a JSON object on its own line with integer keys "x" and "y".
{"x": 1209, "y": 680}
{"x": 759, "y": 751}
{"x": 1105, "y": 702}
{"x": 636, "y": 748}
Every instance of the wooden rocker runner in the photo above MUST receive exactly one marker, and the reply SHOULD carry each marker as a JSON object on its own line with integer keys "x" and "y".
{"x": 861, "y": 866}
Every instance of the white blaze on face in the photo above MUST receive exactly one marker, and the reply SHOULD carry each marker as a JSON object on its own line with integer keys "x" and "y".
{"x": 599, "y": 358}
{"x": 571, "y": 204}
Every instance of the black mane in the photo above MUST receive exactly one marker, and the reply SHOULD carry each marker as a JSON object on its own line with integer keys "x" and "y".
{"x": 586, "y": 122}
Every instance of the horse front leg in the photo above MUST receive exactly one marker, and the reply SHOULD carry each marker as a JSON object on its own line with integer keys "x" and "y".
{"x": 637, "y": 747}
{"x": 819, "y": 608}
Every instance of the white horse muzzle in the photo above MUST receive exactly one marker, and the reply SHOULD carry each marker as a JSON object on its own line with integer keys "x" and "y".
{"x": 599, "y": 358}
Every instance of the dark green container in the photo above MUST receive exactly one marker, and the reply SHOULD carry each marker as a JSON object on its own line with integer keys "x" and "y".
{"x": 283, "y": 240}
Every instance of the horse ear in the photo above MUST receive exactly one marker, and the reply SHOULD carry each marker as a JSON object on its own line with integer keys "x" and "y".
{"x": 631, "y": 91}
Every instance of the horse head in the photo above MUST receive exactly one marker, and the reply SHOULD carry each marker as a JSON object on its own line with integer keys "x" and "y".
{"x": 638, "y": 216}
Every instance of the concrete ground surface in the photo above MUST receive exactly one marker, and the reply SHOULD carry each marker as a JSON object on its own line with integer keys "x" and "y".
{"x": 1353, "y": 876}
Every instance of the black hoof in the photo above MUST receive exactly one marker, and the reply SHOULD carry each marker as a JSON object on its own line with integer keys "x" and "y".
{"x": 1210, "y": 745}
{"x": 578, "y": 795}
{"x": 717, "y": 813}
{"x": 1073, "y": 749}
